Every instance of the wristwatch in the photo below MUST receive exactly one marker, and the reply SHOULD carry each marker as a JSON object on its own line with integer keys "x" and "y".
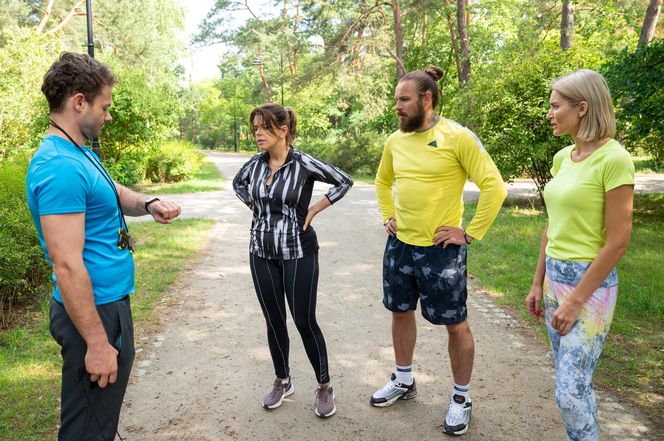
{"x": 148, "y": 202}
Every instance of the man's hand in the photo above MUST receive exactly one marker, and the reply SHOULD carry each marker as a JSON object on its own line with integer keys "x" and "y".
{"x": 391, "y": 226}
{"x": 534, "y": 301}
{"x": 101, "y": 362}
{"x": 164, "y": 211}
{"x": 450, "y": 235}
{"x": 566, "y": 315}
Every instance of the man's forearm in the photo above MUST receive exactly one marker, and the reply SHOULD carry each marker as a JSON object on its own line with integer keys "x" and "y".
{"x": 133, "y": 203}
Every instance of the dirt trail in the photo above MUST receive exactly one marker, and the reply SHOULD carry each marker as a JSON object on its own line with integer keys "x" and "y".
{"x": 202, "y": 374}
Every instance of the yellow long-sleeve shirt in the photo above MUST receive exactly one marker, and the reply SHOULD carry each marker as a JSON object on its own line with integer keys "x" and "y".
{"x": 430, "y": 169}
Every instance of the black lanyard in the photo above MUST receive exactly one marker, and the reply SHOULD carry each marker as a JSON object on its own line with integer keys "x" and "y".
{"x": 124, "y": 240}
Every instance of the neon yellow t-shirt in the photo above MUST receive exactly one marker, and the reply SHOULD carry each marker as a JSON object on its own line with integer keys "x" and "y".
{"x": 575, "y": 200}
{"x": 430, "y": 169}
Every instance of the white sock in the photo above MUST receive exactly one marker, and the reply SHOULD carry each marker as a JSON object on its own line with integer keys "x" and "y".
{"x": 463, "y": 390}
{"x": 404, "y": 374}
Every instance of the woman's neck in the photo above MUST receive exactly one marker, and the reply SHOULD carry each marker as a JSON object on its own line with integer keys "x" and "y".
{"x": 278, "y": 153}
{"x": 586, "y": 148}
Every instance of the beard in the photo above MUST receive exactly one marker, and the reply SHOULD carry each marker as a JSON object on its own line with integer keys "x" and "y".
{"x": 90, "y": 130}
{"x": 413, "y": 122}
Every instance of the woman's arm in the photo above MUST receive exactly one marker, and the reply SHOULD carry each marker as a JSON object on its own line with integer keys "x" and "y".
{"x": 618, "y": 219}
{"x": 324, "y": 172}
{"x": 241, "y": 183}
{"x": 534, "y": 298}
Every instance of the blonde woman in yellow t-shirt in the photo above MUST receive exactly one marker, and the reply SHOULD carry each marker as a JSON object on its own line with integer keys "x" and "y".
{"x": 589, "y": 205}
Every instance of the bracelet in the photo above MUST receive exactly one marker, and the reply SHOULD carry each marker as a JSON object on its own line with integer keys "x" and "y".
{"x": 465, "y": 237}
{"x": 148, "y": 202}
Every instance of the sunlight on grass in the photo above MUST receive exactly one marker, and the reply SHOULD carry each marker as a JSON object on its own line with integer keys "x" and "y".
{"x": 206, "y": 179}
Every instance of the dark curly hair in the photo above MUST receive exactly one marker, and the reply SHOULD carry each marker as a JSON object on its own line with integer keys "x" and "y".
{"x": 75, "y": 73}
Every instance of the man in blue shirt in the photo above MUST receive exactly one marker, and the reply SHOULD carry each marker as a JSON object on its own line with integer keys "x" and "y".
{"x": 78, "y": 211}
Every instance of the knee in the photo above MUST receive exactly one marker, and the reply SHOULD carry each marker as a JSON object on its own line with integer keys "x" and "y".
{"x": 567, "y": 402}
{"x": 305, "y": 325}
{"x": 459, "y": 329}
{"x": 403, "y": 318}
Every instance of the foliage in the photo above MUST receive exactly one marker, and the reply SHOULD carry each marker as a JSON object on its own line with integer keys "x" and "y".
{"x": 173, "y": 162}
{"x": 22, "y": 107}
{"x": 635, "y": 79}
{"x": 509, "y": 112}
{"x": 22, "y": 264}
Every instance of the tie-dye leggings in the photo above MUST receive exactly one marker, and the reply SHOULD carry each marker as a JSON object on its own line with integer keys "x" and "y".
{"x": 576, "y": 354}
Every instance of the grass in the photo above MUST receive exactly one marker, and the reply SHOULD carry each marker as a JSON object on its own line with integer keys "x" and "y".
{"x": 632, "y": 363}
{"x": 644, "y": 164}
{"x": 206, "y": 179}
{"x": 30, "y": 360}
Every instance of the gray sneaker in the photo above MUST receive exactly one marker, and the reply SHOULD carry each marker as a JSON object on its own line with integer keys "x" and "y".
{"x": 325, "y": 406}
{"x": 278, "y": 393}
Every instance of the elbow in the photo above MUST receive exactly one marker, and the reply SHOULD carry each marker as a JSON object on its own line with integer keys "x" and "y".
{"x": 619, "y": 246}
{"x": 64, "y": 268}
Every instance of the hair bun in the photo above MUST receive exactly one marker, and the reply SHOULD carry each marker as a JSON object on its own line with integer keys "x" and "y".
{"x": 435, "y": 72}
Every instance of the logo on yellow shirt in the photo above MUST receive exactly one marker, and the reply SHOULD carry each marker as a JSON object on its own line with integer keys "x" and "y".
{"x": 433, "y": 144}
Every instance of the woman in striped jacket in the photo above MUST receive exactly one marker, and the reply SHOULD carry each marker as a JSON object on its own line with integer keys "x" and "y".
{"x": 277, "y": 185}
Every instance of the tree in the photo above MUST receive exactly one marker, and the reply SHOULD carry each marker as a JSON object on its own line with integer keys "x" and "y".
{"x": 650, "y": 22}
{"x": 398, "y": 38}
{"x": 567, "y": 25}
{"x": 464, "y": 49}
{"x": 635, "y": 79}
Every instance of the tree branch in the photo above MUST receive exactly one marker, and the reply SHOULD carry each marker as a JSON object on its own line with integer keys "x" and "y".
{"x": 47, "y": 14}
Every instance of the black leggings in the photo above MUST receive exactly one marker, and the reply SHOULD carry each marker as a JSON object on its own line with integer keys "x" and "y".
{"x": 298, "y": 280}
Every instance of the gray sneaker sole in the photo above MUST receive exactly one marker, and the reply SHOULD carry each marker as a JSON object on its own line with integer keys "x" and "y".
{"x": 391, "y": 401}
{"x": 288, "y": 393}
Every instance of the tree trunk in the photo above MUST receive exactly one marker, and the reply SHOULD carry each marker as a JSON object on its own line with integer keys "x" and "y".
{"x": 398, "y": 36}
{"x": 453, "y": 37}
{"x": 650, "y": 22}
{"x": 266, "y": 85}
{"x": 464, "y": 74}
{"x": 567, "y": 25}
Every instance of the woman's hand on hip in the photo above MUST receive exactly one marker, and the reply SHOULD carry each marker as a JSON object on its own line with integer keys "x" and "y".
{"x": 566, "y": 315}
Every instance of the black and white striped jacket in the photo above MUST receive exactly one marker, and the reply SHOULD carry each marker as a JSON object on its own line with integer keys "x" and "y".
{"x": 281, "y": 207}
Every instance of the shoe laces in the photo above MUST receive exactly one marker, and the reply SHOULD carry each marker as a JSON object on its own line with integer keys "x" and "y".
{"x": 322, "y": 394}
{"x": 390, "y": 385}
{"x": 456, "y": 413}
{"x": 278, "y": 389}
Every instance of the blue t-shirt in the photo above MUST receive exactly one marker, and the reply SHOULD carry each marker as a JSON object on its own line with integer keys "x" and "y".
{"x": 61, "y": 180}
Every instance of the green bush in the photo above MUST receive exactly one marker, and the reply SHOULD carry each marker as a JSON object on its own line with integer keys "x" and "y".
{"x": 128, "y": 169}
{"x": 635, "y": 79}
{"x": 353, "y": 153}
{"x": 22, "y": 264}
{"x": 173, "y": 162}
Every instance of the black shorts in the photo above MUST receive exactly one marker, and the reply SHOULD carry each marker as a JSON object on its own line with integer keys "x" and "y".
{"x": 434, "y": 275}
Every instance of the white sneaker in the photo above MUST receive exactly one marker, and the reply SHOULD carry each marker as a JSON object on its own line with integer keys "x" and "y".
{"x": 458, "y": 416}
{"x": 393, "y": 391}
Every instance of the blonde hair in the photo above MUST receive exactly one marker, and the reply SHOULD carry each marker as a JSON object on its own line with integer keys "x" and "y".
{"x": 587, "y": 85}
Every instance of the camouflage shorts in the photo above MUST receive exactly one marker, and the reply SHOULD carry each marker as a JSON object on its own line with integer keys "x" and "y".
{"x": 434, "y": 275}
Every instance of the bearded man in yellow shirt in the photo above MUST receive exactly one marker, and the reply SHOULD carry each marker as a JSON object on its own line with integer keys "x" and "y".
{"x": 429, "y": 160}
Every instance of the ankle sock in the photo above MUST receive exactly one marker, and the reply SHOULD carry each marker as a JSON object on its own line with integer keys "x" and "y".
{"x": 404, "y": 374}
{"x": 462, "y": 390}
